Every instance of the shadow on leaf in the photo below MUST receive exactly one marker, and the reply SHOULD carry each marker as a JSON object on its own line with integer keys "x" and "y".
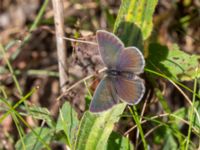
{"x": 130, "y": 34}
{"x": 157, "y": 54}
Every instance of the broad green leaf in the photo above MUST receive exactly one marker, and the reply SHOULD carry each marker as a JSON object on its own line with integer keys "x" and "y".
{"x": 3, "y": 69}
{"x": 130, "y": 34}
{"x": 68, "y": 122}
{"x": 183, "y": 113}
{"x": 162, "y": 100}
{"x": 174, "y": 63}
{"x": 158, "y": 134}
{"x": 180, "y": 113}
{"x": 41, "y": 114}
{"x": 118, "y": 142}
{"x": 32, "y": 142}
{"x": 165, "y": 136}
{"x": 95, "y": 129}
{"x": 139, "y": 12}
{"x": 170, "y": 142}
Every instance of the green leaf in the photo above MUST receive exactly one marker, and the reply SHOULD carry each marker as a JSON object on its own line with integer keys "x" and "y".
{"x": 133, "y": 39}
{"x": 95, "y": 129}
{"x": 118, "y": 142}
{"x": 158, "y": 134}
{"x": 164, "y": 135}
{"x": 41, "y": 114}
{"x": 139, "y": 12}
{"x": 162, "y": 100}
{"x": 180, "y": 113}
{"x": 183, "y": 113}
{"x": 174, "y": 63}
{"x": 196, "y": 122}
{"x": 68, "y": 122}
{"x": 169, "y": 141}
{"x": 32, "y": 142}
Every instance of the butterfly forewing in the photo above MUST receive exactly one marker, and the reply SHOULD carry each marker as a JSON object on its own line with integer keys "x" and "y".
{"x": 130, "y": 91}
{"x": 104, "y": 96}
{"x": 131, "y": 59}
{"x": 110, "y": 47}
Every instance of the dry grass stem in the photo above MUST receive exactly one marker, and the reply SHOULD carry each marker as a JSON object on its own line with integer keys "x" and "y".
{"x": 61, "y": 47}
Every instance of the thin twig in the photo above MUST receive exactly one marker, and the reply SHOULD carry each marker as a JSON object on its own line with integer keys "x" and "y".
{"x": 187, "y": 98}
{"x": 61, "y": 48}
{"x": 46, "y": 28}
{"x": 158, "y": 116}
{"x": 176, "y": 84}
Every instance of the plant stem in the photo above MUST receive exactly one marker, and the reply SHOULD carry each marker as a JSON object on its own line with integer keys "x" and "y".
{"x": 191, "y": 116}
{"x": 138, "y": 123}
{"x": 61, "y": 48}
{"x": 11, "y": 70}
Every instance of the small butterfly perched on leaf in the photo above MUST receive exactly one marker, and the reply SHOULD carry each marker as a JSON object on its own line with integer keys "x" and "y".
{"x": 121, "y": 81}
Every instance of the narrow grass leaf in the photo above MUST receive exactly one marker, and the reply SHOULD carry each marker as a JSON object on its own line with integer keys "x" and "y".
{"x": 17, "y": 116}
{"x": 137, "y": 121}
{"x": 3, "y": 51}
{"x": 16, "y": 105}
{"x": 19, "y": 129}
{"x": 191, "y": 115}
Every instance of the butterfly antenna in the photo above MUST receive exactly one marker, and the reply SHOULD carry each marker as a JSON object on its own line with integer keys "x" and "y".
{"x": 81, "y": 41}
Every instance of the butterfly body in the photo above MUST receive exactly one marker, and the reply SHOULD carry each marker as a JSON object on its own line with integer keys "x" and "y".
{"x": 121, "y": 82}
{"x": 125, "y": 74}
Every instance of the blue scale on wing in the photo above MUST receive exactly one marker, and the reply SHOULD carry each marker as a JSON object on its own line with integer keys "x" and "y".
{"x": 130, "y": 91}
{"x": 104, "y": 97}
{"x": 109, "y": 47}
{"x": 132, "y": 60}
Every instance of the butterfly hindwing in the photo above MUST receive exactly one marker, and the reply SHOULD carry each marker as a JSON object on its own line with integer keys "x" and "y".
{"x": 131, "y": 59}
{"x": 104, "y": 96}
{"x": 130, "y": 90}
{"x": 110, "y": 47}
